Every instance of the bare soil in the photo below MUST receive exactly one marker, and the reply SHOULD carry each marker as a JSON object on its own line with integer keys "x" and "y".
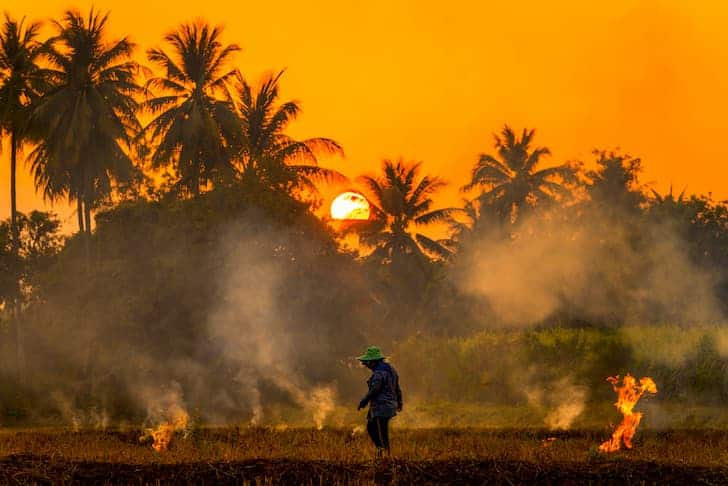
{"x": 440, "y": 456}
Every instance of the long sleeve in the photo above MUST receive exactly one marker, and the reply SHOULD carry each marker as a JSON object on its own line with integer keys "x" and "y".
{"x": 375, "y": 386}
{"x": 384, "y": 395}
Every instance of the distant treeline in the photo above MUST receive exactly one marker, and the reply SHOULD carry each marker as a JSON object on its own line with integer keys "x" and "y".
{"x": 208, "y": 273}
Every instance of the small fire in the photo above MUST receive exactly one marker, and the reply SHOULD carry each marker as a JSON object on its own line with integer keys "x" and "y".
{"x": 628, "y": 394}
{"x": 162, "y": 435}
{"x": 548, "y": 441}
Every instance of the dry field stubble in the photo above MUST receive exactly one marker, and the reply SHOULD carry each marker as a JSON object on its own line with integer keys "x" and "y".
{"x": 336, "y": 456}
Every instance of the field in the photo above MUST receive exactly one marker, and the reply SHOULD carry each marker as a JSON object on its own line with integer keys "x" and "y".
{"x": 473, "y": 415}
{"x": 245, "y": 455}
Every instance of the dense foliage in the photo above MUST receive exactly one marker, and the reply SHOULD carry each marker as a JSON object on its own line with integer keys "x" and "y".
{"x": 209, "y": 270}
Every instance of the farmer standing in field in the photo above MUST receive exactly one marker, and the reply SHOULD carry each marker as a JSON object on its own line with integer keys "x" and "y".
{"x": 384, "y": 398}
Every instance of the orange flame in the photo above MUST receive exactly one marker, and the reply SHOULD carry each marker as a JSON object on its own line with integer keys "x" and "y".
{"x": 628, "y": 394}
{"x": 163, "y": 434}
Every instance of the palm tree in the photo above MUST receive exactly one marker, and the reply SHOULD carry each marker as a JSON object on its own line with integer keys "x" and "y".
{"x": 614, "y": 185}
{"x": 511, "y": 182}
{"x": 87, "y": 120}
{"x": 678, "y": 211}
{"x": 266, "y": 154}
{"x": 21, "y": 82}
{"x": 402, "y": 201}
{"x": 464, "y": 224}
{"x": 195, "y": 122}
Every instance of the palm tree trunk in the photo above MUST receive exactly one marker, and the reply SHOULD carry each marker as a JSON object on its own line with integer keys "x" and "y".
{"x": 15, "y": 235}
{"x": 88, "y": 368}
{"x": 13, "y": 191}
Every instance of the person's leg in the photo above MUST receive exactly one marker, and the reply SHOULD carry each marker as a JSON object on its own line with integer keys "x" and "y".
{"x": 384, "y": 428}
{"x": 373, "y": 430}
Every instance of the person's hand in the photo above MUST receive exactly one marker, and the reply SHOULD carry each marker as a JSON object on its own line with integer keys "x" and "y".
{"x": 362, "y": 404}
{"x": 399, "y": 407}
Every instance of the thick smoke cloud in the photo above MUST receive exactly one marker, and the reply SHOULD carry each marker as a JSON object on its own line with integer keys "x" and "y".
{"x": 591, "y": 267}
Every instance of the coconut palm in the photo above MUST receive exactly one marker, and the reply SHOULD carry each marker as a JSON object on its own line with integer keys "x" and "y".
{"x": 402, "y": 202}
{"x": 22, "y": 80}
{"x": 464, "y": 224}
{"x": 87, "y": 120}
{"x": 511, "y": 182}
{"x": 265, "y": 153}
{"x": 614, "y": 185}
{"x": 677, "y": 211}
{"x": 194, "y": 121}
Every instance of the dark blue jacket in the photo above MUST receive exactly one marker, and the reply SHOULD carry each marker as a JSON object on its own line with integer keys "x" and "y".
{"x": 384, "y": 394}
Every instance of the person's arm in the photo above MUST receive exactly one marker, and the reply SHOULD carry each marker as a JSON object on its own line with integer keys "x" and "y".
{"x": 399, "y": 396}
{"x": 375, "y": 386}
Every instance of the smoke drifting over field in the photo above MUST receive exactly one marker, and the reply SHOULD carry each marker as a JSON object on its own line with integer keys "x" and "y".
{"x": 607, "y": 270}
{"x": 255, "y": 333}
{"x": 255, "y": 322}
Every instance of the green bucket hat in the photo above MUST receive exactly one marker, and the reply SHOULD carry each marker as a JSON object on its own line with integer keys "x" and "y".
{"x": 373, "y": 353}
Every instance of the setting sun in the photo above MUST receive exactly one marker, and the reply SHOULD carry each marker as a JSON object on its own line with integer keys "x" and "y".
{"x": 227, "y": 229}
{"x": 350, "y": 205}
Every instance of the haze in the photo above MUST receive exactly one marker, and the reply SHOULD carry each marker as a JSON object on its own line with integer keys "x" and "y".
{"x": 412, "y": 79}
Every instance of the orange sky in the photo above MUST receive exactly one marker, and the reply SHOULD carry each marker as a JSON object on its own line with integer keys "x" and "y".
{"x": 432, "y": 81}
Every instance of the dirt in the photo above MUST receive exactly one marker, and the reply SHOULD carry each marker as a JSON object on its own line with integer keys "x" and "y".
{"x": 27, "y": 469}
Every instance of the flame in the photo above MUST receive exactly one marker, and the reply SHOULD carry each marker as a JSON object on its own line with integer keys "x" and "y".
{"x": 548, "y": 441}
{"x": 628, "y": 394}
{"x": 163, "y": 434}
{"x": 350, "y": 205}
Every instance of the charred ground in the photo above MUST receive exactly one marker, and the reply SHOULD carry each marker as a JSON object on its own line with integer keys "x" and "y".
{"x": 336, "y": 456}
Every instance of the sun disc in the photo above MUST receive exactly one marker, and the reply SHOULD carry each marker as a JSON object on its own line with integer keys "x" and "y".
{"x": 350, "y": 205}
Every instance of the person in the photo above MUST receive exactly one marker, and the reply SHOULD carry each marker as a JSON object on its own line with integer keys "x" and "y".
{"x": 384, "y": 398}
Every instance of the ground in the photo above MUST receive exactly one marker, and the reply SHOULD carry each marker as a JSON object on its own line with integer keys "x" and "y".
{"x": 240, "y": 455}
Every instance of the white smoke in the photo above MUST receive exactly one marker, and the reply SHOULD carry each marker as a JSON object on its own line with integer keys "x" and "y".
{"x": 252, "y": 331}
{"x": 550, "y": 264}
{"x": 163, "y": 403}
{"x": 562, "y": 399}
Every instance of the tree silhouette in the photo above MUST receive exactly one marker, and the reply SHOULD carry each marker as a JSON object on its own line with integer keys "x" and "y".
{"x": 670, "y": 207}
{"x": 21, "y": 82}
{"x": 87, "y": 119}
{"x": 195, "y": 122}
{"x": 701, "y": 223}
{"x": 464, "y": 224}
{"x": 402, "y": 201}
{"x": 511, "y": 180}
{"x": 23, "y": 259}
{"x": 266, "y": 154}
{"x": 614, "y": 184}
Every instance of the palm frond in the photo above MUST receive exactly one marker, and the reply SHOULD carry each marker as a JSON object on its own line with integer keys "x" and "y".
{"x": 442, "y": 215}
{"x": 432, "y": 247}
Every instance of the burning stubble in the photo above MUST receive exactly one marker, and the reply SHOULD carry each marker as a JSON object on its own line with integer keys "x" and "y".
{"x": 628, "y": 394}
{"x": 166, "y": 410}
{"x": 163, "y": 433}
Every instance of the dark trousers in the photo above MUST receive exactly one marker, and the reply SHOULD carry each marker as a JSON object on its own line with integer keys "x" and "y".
{"x": 378, "y": 428}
